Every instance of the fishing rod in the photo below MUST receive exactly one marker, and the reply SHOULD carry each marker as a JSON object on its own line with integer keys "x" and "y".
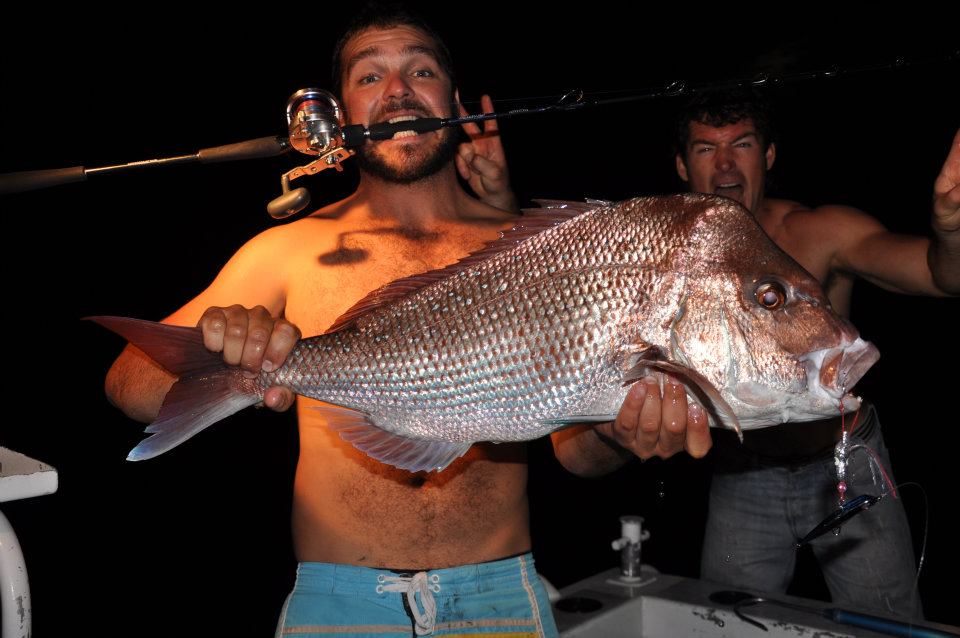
{"x": 315, "y": 124}
{"x": 888, "y": 626}
{"x": 314, "y": 119}
{"x": 356, "y": 135}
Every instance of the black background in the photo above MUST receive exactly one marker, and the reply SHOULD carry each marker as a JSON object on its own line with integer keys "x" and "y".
{"x": 197, "y": 541}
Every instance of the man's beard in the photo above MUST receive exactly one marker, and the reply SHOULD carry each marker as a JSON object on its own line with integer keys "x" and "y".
{"x": 410, "y": 171}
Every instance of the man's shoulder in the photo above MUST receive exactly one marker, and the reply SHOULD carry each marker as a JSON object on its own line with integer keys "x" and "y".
{"x": 794, "y": 213}
{"x": 782, "y": 208}
{"x": 317, "y": 224}
{"x": 816, "y": 235}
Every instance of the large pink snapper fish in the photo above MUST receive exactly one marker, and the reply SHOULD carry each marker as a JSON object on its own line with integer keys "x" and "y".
{"x": 544, "y": 328}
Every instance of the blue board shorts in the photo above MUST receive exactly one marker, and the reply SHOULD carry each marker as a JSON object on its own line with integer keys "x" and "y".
{"x": 500, "y": 599}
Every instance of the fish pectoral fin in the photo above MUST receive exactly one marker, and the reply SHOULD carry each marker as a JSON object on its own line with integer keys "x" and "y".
{"x": 578, "y": 419}
{"x": 698, "y": 385}
{"x": 636, "y": 357}
{"x": 414, "y": 455}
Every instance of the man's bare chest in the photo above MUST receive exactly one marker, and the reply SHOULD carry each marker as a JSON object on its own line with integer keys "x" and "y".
{"x": 326, "y": 282}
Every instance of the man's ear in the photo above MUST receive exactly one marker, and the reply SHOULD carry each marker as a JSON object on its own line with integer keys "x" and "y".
{"x": 771, "y": 155}
{"x": 682, "y": 168}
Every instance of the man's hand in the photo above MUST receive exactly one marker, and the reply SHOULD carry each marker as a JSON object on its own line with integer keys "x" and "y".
{"x": 482, "y": 162}
{"x": 647, "y": 425}
{"x": 650, "y": 425}
{"x": 946, "y": 192}
{"x": 254, "y": 341}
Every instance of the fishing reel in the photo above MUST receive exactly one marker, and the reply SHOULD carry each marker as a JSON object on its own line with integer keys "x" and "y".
{"x": 314, "y": 123}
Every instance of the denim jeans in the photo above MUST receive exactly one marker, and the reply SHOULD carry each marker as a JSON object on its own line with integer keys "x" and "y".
{"x": 759, "y": 510}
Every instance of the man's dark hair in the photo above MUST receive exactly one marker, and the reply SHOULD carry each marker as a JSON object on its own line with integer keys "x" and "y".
{"x": 723, "y": 107}
{"x": 378, "y": 15}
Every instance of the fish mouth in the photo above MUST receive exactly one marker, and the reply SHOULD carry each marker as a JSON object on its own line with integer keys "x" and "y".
{"x": 834, "y": 371}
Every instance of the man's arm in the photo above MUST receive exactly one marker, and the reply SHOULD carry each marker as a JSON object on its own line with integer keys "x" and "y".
{"x": 647, "y": 425}
{"x": 252, "y": 337}
{"x": 904, "y": 263}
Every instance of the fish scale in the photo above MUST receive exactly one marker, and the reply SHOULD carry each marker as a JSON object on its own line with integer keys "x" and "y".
{"x": 562, "y": 350}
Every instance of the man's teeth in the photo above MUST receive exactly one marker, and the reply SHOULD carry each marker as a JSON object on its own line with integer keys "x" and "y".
{"x": 402, "y": 118}
{"x": 734, "y": 185}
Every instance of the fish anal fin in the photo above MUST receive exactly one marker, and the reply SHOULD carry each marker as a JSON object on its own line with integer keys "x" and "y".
{"x": 414, "y": 455}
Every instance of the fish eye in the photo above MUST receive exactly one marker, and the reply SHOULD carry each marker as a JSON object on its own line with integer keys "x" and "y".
{"x": 771, "y": 295}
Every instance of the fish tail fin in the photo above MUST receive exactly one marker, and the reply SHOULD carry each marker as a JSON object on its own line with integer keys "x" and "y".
{"x": 191, "y": 405}
{"x": 207, "y": 390}
{"x": 178, "y": 349}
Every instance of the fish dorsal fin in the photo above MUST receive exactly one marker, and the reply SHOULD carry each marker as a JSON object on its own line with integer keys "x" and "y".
{"x": 577, "y": 208}
{"x": 414, "y": 455}
{"x": 599, "y": 202}
{"x": 532, "y": 222}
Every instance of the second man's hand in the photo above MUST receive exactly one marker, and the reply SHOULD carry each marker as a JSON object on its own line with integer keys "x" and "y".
{"x": 649, "y": 425}
{"x": 482, "y": 162}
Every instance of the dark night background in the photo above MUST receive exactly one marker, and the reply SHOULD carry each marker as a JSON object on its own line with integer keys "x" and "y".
{"x": 197, "y": 541}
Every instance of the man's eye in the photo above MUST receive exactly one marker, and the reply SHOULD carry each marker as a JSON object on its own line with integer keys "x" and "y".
{"x": 702, "y": 150}
{"x": 368, "y": 79}
{"x": 745, "y": 144}
{"x": 424, "y": 73}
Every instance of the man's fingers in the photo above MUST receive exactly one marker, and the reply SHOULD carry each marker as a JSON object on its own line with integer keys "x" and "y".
{"x": 234, "y": 335}
{"x": 649, "y": 424}
{"x": 698, "y": 441}
{"x": 251, "y": 339}
{"x": 490, "y": 127}
{"x": 213, "y": 325}
{"x": 673, "y": 417}
{"x": 463, "y": 166}
{"x": 488, "y": 170}
{"x": 259, "y": 329}
{"x": 486, "y": 106}
{"x": 949, "y": 176}
{"x": 282, "y": 340}
{"x": 625, "y": 425}
{"x": 946, "y": 211}
{"x": 471, "y": 128}
{"x": 278, "y": 399}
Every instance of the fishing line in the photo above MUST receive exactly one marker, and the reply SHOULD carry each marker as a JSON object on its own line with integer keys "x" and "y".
{"x": 926, "y": 529}
{"x": 683, "y": 88}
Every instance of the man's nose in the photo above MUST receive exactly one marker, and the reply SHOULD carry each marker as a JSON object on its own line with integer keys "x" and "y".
{"x": 723, "y": 159}
{"x": 397, "y": 86}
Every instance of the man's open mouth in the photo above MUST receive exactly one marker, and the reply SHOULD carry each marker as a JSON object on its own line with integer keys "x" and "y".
{"x": 402, "y": 118}
{"x": 729, "y": 189}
